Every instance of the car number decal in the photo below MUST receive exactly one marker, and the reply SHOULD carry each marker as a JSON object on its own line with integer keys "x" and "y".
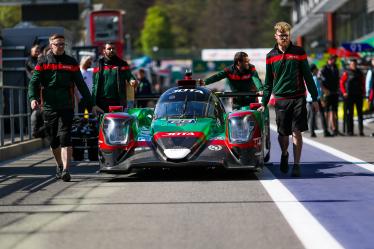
{"x": 215, "y": 147}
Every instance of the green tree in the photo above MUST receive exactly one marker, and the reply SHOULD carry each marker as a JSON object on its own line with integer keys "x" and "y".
{"x": 275, "y": 14}
{"x": 156, "y": 31}
{"x": 184, "y": 16}
{"x": 9, "y": 16}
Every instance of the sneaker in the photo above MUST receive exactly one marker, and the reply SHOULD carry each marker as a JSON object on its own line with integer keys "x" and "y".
{"x": 284, "y": 164}
{"x": 58, "y": 172}
{"x": 313, "y": 135}
{"x": 362, "y": 134}
{"x": 338, "y": 133}
{"x": 65, "y": 176}
{"x": 296, "y": 170}
{"x": 328, "y": 134}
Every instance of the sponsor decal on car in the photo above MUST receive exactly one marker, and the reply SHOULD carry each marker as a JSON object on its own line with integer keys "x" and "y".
{"x": 181, "y": 121}
{"x": 188, "y": 90}
{"x": 179, "y": 134}
{"x": 218, "y": 138}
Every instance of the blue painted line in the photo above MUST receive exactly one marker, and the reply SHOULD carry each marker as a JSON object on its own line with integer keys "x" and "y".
{"x": 339, "y": 194}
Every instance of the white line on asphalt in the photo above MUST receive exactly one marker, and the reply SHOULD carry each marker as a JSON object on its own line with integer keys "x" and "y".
{"x": 340, "y": 154}
{"x": 335, "y": 152}
{"x": 310, "y": 232}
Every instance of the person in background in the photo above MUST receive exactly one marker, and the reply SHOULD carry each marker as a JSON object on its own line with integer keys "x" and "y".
{"x": 52, "y": 87}
{"x": 369, "y": 78}
{"x": 87, "y": 74}
{"x": 287, "y": 69}
{"x": 241, "y": 77}
{"x": 352, "y": 85}
{"x": 312, "y": 114}
{"x": 32, "y": 60}
{"x": 329, "y": 76}
{"x": 110, "y": 79}
{"x": 144, "y": 88}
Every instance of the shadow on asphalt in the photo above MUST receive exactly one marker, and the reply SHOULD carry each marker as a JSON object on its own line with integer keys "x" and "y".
{"x": 323, "y": 169}
{"x": 195, "y": 174}
{"x": 33, "y": 178}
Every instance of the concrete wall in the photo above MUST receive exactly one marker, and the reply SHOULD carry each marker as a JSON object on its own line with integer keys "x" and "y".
{"x": 17, "y": 150}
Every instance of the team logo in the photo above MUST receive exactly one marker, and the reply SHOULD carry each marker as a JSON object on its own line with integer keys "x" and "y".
{"x": 188, "y": 90}
{"x": 215, "y": 147}
{"x": 180, "y": 134}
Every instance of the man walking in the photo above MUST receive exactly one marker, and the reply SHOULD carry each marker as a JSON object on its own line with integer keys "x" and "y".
{"x": 242, "y": 77}
{"x": 110, "y": 79}
{"x": 52, "y": 86}
{"x": 286, "y": 69}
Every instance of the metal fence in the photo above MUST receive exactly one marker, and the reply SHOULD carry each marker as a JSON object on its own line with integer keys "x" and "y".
{"x": 15, "y": 120}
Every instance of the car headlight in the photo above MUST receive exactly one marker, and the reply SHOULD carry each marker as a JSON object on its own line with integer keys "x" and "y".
{"x": 241, "y": 129}
{"x": 116, "y": 131}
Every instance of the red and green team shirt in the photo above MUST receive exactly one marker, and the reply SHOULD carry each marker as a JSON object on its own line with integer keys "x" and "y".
{"x": 54, "y": 80}
{"x": 287, "y": 74}
{"x": 238, "y": 81}
{"x": 113, "y": 71}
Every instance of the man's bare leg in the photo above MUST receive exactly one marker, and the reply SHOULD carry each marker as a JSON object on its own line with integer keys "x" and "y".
{"x": 284, "y": 142}
{"x": 57, "y": 155}
{"x": 66, "y": 157}
{"x": 297, "y": 139}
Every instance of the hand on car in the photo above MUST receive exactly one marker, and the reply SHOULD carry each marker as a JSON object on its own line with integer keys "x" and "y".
{"x": 134, "y": 83}
{"x": 261, "y": 108}
{"x": 34, "y": 104}
{"x": 201, "y": 82}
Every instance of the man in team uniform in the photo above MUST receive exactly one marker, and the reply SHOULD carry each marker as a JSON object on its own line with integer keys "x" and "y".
{"x": 110, "y": 79}
{"x": 241, "y": 77}
{"x": 287, "y": 69}
{"x": 52, "y": 86}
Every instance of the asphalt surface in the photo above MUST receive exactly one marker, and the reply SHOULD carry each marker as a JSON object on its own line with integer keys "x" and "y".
{"x": 184, "y": 209}
{"x": 188, "y": 209}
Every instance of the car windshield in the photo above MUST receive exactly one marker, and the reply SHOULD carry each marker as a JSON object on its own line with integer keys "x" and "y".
{"x": 183, "y": 109}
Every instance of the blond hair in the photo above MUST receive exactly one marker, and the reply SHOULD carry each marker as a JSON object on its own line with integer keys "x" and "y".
{"x": 56, "y": 36}
{"x": 282, "y": 27}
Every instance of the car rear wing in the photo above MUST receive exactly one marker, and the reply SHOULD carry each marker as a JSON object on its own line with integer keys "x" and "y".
{"x": 237, "y": 94}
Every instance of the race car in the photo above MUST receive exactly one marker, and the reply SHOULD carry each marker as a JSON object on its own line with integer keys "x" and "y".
{"x": 189, "y": 127}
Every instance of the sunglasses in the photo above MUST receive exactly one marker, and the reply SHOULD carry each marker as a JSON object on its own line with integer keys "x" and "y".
{"x": 59, "y": 44}
{"x": 283, "y": 36}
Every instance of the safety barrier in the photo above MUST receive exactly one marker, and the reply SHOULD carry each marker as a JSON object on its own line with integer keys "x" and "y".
{"x": 15, "y": 121}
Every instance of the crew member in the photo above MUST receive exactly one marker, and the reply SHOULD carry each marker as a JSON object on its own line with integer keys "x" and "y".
{"x": 241, "y": 77}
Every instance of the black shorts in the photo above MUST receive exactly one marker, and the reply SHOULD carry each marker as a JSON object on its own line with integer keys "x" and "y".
{"x": 58, "y": 127}
{"x": 291, "y": 115}
{"x": 331, "y": 102}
